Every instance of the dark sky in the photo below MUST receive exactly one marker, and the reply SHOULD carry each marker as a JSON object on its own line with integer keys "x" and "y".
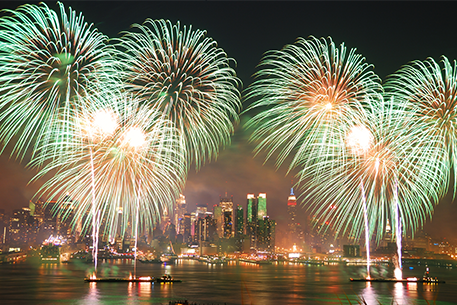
{"x": 387, "y": 34}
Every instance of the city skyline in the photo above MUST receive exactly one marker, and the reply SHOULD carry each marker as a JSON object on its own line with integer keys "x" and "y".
{"x": 236, "y": 170}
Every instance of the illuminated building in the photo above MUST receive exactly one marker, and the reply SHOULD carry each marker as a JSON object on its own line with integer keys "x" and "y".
{"x": 180, "y": 210}
{"x": 351, "y": 251}
{"x": 240, "y": 237}
{"x": 292, "y": 213}
{"x": 295, "y": 231}
{"x": 250, "y": 208}
{"x": 187, "y": 230}
{"x": 170, "y": 232}
{"x": 206, "y": 228}
{"x": 3, "y": 226}
{"x": 261, "y": 206}
{"x": 21, "y": 223}
{"x": 226, "y": 204}
{"x": 266, "y": 234}
{"x": 260, "y": 229}
{"x": 239, "y": 221}
{"x": 219, "y": 218}
{"x": 201, "y": 210}
{"x": 251, "y": 220}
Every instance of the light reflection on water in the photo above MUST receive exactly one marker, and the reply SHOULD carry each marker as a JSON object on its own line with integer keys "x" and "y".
{"x": 369, "y": 294}
{"x": 92, "y": 296}
{"x": 218, "y": 284}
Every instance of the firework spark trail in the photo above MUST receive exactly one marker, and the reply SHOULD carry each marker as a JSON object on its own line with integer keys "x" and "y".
{"x": 398, "y": 233}
{"x": 117, "y": 167}
{"x": 429, "y": 90}
{"x": 312, "y": 90}
{"x": 102, "y": 125}
{"x": 185, "y": 75}
{"x": 47, "y": 60}
{"x": 367, "y": 230}
{"x": 391, "y": 167}
{"x": 93, "y": 212}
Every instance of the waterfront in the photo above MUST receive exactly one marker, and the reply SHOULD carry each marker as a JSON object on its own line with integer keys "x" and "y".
{"x": 232, "y": 283}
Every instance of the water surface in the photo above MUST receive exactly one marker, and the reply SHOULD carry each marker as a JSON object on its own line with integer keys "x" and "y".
{"x": 232, "y": 283}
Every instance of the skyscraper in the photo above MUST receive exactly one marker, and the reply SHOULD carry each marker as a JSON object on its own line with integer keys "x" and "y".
{"x": 180, "y": 210}
{"x": 266, "y": 234}
{"x": 239, "y": 221}
{"x": 251, "y": 220}
{"x": 261, "y": 206}
{"x": 292, "y": 213}
{"x": 250, "y": 208}
{"x": 219, "y": 218}
{"x": 226, "y": 205}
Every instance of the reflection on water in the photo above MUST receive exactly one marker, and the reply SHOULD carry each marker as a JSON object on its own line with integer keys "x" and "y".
{"x": 92, "y": 296}
{"x": 230, "y": 283}
{"x": 399, "y": 295}
{"x": 145, "y": 290}
{"x": 369, "y": 295}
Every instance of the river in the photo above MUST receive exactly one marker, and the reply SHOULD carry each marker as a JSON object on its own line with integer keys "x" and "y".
{"x": 232, "y": 283}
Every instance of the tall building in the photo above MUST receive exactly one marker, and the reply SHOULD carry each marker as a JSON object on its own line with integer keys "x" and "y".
{"x": 251, "y": 208}
{"x": 251, "y": 220}
{"x": 260, "y": 229}
{"x": 266, "y": 234}
{"x": 296, "y": 234}
{"x": 206, "y": 228}
{"x": 21, "y": 226}
{"x": 239, "y": 221}
{"x": 261, "y": 206}
{"x": 187, "y": 230}
{"x": 219, "y": 218}
{"x": 180, "y": 210}
{"x": 292, "y": 213}
{"x": 201, "y": 210}
{"x": 226, "y": 204}
{"x": 240, "y": 237}
{"x": 3, "y": 226}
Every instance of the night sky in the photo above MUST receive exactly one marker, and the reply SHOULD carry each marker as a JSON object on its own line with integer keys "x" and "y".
{"x": 387, "y": 34}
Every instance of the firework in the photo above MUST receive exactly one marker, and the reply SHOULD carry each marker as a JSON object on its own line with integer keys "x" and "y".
{"x": 384, "y": 166}
{"x": 311, "y": 90}
{"x": 47, "y": 60}
{"x": 183, "y": 73}
{"x": 430, "y": 93}
{"x": 135, "y": 167}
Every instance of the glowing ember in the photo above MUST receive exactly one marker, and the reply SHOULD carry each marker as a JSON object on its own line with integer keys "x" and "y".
{"x": 398, "y": 274}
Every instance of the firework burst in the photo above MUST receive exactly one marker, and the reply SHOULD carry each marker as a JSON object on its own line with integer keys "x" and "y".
{"x": 311, "y": 90}
{"x": 183, "y": 73}
{"x": 430, "y": 93}
{"x": 379, "y": 165}
{"x": 135, "y": 167}
{"x": 47, "y": 60}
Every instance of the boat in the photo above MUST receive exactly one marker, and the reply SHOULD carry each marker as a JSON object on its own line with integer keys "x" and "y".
{"x": 168, "y": 257}
{"x": 151, "y": 261}
{"x": 140, "y": 279}
{"x": 50, "y": 253}
{"x": 407, "y": 280}
{"x": 167, "y": 279}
